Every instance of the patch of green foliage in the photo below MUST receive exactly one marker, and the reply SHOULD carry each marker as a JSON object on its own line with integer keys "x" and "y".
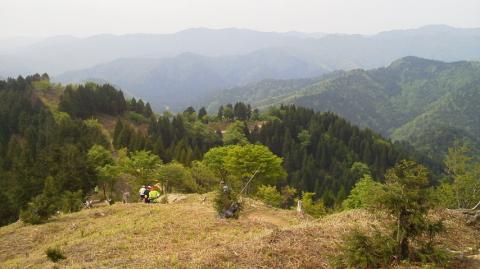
{"x": 411, "y": 234}
{"x": 315, "y": 209}
{"x": 55, "y": 254}
{"x": 241, "y": 162}
{"x": 38, "y": 210}
{"x": 364, "y": 193}
{"x": 71, "y": 201}
{"x": 462, "y": 189}
{"x": 136, "y": 117}
{"x": 361, "y": 251}
{"x": 227, "y": 199}
{"x": 270, "y": 196}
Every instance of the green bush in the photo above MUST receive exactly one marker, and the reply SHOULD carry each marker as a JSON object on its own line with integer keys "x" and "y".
{"x": 288, "y": 196}
{"x": 364, "y": 193}
{"x": 224, "y": 200}
{"x": 429, "y": 253}
{"x": 205, "y": 179}
{"x": 135, "y": 117}
{"x": 71, "y": 201}
{"x": 270, "y": 196}
{"x": 314, "y": 209}
{"x": 38, "y": 210}
{"x": 178, "y": 177}
{"x": 55, "y": 254}
{"x": 405, "y": 200}
{"x": 7, "y": 210}
{"x": 362, "y": 251}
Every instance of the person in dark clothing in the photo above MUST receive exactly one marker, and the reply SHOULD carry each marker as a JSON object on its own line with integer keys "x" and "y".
{"x": 147, "y": 191}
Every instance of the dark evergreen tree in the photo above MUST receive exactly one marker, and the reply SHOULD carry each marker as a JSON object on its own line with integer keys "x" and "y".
{"x": 202, "y": 113}
{"x": 220, "y": 114}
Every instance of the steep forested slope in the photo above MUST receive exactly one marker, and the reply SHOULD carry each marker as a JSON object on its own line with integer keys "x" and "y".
{"x": 404, "y": 100}
{"x": 36, "y": 144}
{"x": 45, "y": 134}
{"x": 325, "y": 154}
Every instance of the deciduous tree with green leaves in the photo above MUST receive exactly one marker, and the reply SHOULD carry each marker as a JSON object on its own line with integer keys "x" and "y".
{"x": 235, "y": 134}
{"x": 143, "y": 166}
{"x": 177, "y": 177}
{"x": 104, "y": 164}
{"x": 465, "y": 173}
{"x": 364, "y": 193}
{"x": 241, "y": 162}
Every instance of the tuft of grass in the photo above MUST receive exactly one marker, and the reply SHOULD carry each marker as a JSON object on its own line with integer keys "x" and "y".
{"x": 55, "y": 254}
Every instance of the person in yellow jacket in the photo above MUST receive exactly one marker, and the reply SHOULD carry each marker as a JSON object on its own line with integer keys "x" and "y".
{"x": 153, "y": 195}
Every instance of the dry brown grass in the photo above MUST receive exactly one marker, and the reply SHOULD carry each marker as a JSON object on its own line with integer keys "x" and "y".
{"x": 188, "y": 235}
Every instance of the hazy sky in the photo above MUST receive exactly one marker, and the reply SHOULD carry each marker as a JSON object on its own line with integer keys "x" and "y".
{"x": 88, "y": 17}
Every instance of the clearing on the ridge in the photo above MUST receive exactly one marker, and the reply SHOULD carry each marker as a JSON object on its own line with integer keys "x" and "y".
{"x": 187, "y": 234}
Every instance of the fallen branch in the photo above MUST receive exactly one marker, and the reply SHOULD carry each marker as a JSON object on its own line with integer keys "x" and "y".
{"x": 477, "y": 207}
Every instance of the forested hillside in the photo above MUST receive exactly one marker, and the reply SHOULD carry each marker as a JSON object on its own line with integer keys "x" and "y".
{"x": 412, "y": 99}
{"x": 324, "y": 153}
{"x": 38, "y": 145}
{"x": 49, "y": 134}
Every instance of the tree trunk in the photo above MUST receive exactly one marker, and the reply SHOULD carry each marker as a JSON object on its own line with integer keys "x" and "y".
{"x": 404, "y": 248}
{"x": 402, "y": 238}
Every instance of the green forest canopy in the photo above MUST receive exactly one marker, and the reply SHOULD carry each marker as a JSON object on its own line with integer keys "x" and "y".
{"x": 319, "y": 151}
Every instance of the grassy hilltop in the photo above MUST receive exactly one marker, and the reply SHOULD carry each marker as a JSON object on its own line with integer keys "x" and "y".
{"x": 186, "y": 234}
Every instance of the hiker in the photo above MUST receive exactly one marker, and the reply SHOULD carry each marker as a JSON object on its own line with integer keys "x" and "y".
{"x": 224, "y": 186}
{"x": 142, "y": 193}
{"x": 146, "y": 194}
{"x": 153, "y": 195}
{"x": 88, "y": 204}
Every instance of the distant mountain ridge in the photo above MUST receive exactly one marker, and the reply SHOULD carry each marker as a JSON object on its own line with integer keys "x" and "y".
{"x": 204, "y": 61}
{"x": 65, "y": 53}
{"x": 411, "y": 99}
{"x": 176, "y": 70}
{"x": 181, "y": 81}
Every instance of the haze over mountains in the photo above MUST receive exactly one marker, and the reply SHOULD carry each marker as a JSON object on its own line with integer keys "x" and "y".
{"x": 173, "y": 70}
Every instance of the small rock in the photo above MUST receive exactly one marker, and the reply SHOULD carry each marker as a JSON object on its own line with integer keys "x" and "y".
{"x": 99, "y": 214}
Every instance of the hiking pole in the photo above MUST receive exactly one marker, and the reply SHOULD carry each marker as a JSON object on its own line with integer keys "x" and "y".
{"x": 245, "y": 187}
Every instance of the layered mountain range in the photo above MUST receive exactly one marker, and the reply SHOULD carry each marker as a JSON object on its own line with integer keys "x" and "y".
{"x": 429, "y": 103}
{"x": 175, "y": 70}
